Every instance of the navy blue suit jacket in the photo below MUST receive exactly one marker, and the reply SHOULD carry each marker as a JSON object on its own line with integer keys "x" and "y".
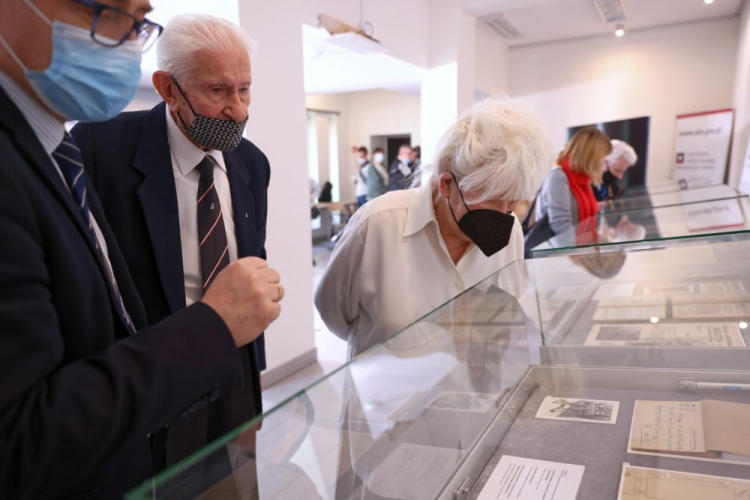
{"x": 78, "y": 393}
{"x": 129, "y": 162}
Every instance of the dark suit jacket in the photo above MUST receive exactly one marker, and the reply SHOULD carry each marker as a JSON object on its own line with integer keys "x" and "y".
{"x": 397, "y": 180}
{"x": 129, "y": 162}
{"x": 78, "y": 394}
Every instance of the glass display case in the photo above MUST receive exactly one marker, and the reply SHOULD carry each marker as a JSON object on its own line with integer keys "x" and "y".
{"x": 676, "y": 299}
{"x": 656, "y": 198}
{"x": 593, "y": 376}
{"x": 718, "y": 220}
{"x": 658, "y": 188}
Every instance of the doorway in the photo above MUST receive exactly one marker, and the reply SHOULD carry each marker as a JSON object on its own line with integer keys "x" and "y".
{"x": 390, "y": 144}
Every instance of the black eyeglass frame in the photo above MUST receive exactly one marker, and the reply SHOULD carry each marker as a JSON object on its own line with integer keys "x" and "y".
{"x": 98, "y": 8}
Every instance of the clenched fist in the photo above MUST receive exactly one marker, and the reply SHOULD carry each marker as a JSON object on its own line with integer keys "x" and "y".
{"x": 246, "y": 294}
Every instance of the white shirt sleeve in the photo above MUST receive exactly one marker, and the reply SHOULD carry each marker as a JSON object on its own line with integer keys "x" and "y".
{"x": 337, "y": 296}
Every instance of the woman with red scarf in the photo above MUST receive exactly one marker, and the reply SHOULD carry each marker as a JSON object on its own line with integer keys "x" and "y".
{"x": 566, "y": 198}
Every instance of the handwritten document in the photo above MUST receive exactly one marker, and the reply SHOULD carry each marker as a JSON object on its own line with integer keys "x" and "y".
{"x": 693, "y": 428}
{"x": 673, "y": 426}
{"x": 526, "y": 479}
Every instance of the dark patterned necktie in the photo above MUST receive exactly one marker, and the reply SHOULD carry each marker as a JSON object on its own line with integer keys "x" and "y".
{"x": 68, "y": 158}
{"x": 211, "y": 233}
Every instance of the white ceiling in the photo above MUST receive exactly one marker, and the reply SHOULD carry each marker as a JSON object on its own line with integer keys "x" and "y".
{"x": 552, "y": 20}
{"x": 331, "y": 69}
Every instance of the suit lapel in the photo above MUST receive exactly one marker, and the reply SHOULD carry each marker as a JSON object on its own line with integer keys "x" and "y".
{"x": 243, "y": 204}
{"x": 13, "y": 120}
{"x": 158, "y": 197}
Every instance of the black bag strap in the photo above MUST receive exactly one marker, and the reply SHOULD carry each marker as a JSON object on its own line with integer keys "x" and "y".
{"x": 525, "y": 223}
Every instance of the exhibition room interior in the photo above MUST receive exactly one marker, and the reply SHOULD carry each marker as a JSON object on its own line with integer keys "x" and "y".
{"x": 579, "y": 382}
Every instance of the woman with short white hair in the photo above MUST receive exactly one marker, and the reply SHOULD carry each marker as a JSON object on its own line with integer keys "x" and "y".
{"x": 621, "y": 158}
{"x": 407, "y": 252}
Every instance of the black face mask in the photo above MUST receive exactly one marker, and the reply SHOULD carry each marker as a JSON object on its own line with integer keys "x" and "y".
{"x": 490, "y": 230}
{"x": 212, "y": 133}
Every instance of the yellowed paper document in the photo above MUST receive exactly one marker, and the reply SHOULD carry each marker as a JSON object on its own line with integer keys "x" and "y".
{"x": 667, "y": 334}
{"x": 693, "y": 428}
{"x": 711, "y": 311}
{"x": 653, "y": 484}
{"x": 675, "y": 427}
{"x": 642, "y": 313}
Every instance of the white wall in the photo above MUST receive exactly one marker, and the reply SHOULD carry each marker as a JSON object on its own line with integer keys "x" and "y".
{"x": 741, "y": 100}
{"x": 658, "y": 72}
{"x": 492, "y": 63}
{"x": 277, "y": 126}
{"x": 145, "y": 98}
{"x": 448, "y": 85}
{"x": 362, "y": 115}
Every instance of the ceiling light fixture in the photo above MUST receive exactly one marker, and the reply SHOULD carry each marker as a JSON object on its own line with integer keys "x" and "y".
{"x": 708, "y": 2}
{"x": 620, "y": 30}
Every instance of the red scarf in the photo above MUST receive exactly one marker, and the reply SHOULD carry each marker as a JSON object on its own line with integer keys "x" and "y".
{"x": 580, "y": 186}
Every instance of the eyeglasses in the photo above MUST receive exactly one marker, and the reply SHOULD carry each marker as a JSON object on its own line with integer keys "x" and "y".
{"x": 112, "y": 26}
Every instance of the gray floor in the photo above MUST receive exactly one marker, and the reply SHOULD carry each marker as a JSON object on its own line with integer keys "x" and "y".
{"x": 331, "y": 349}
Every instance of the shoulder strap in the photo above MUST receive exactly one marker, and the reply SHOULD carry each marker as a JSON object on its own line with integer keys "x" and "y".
{"x": 525, "y": 223}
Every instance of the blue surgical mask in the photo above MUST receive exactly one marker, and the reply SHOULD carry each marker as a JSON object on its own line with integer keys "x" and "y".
{"x": 85, "y": 81}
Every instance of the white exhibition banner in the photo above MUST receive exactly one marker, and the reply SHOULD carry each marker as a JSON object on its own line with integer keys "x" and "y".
{"x": 745, "y": 179}
{"x": 702, "y": 147}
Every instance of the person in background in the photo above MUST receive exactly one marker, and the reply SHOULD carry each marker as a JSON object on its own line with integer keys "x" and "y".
{"x": 200, "y": 189}
{"x": 623, "y": 156}
{"x": 326, "y": 193}
{"x": 400, "y": 171}
{"x": 377, "y": 175}
{"x": 416, "y": 159}
{"x": 84, "y": 381}
{"x": 360, "y": 180}
{"x": 566, "y": 197}
{"x": 416, "y": 167}
{"x": 409, "y": 251}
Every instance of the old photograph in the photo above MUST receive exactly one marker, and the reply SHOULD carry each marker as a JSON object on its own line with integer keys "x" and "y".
{"x": 579, "y": 410}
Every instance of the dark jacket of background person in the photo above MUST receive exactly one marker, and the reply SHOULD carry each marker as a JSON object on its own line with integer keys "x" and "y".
{"x": 398, "y": 180}
{"x": 326, "y": 193}
{"x": 78, "y": 394}
{"x": 610, "y": 189}
{"x": 129, "y": 160}
{"x": 377, "y": 181}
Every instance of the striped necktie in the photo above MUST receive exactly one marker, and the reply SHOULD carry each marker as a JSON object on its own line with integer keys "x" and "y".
{"x": 68, "y": 158}
{"x": 211, "y": 233}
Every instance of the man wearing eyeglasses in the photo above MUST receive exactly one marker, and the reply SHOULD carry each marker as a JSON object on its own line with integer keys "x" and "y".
{"x": 83, "y": 384}
{"x": 185, "y": 194}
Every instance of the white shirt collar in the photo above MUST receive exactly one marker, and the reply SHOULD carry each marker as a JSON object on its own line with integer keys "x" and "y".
{"x": 421, "y": 209}
{"x": 47, "y": 129}
{"x": 186, "y": 154}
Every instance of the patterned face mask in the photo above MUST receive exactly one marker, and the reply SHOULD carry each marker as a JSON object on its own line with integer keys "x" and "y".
{"x": 212, "y": 133}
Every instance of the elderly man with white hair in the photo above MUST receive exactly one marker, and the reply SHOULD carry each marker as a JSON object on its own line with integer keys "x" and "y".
{"x": 623, "y": 156}
{"x": 185, "y": 195}
{"x": 407, "y": 252}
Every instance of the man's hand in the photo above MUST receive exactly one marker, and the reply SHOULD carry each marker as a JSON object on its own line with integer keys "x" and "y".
{"x": 246, "y": 295}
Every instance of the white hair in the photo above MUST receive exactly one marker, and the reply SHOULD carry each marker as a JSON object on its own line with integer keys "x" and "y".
{"x": 187, "y": 34}
{"x": 497, "y": 150}
{"x": 621, "y": 149}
